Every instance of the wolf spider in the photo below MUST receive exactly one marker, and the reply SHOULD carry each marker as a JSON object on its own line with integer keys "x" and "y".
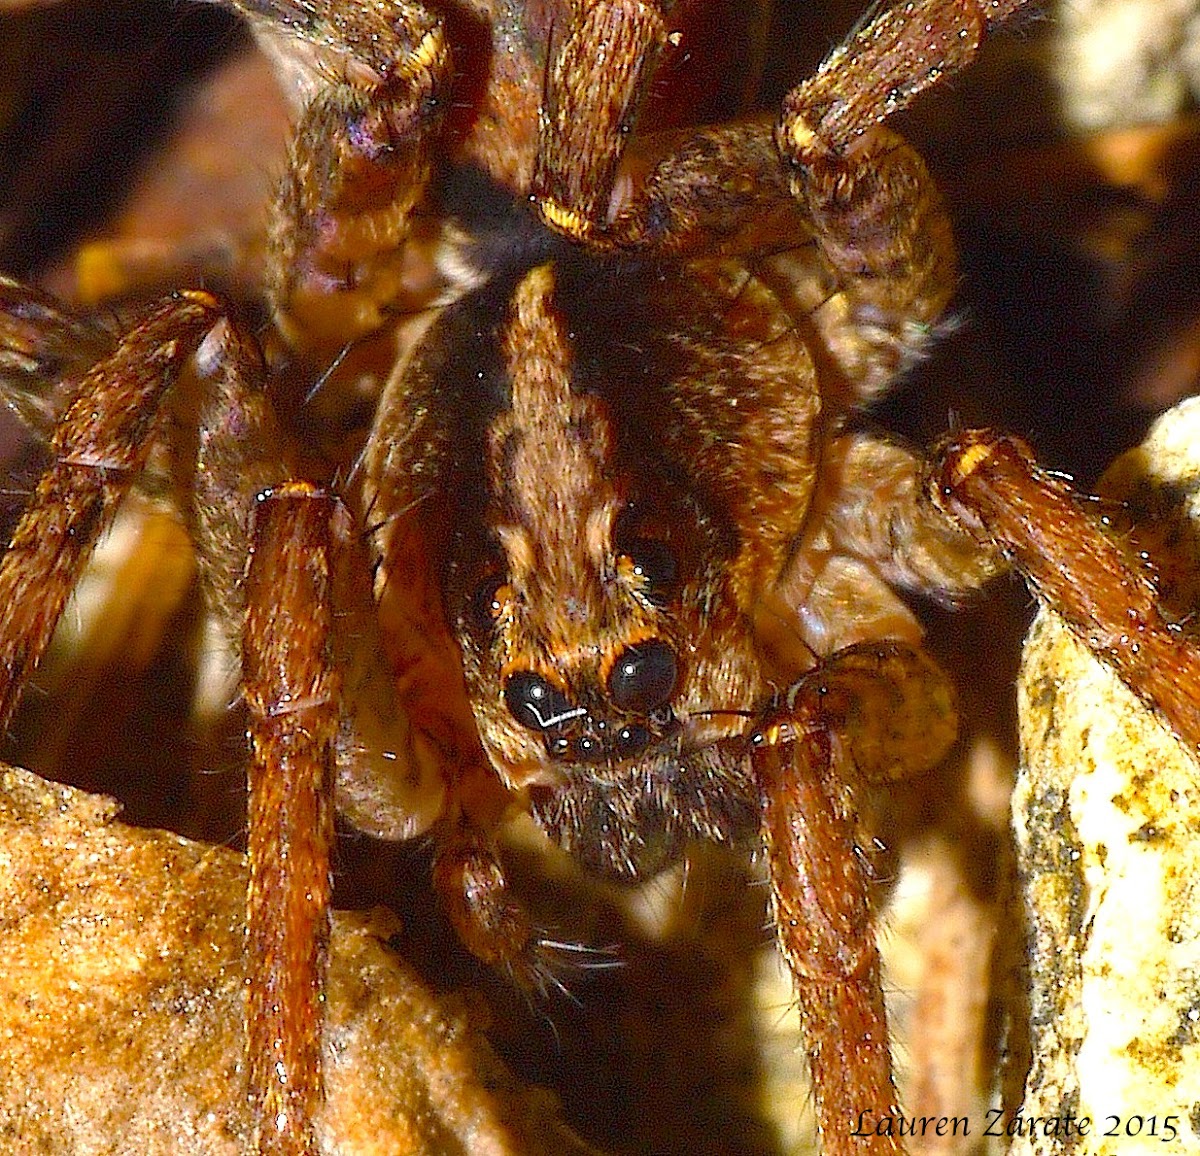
{"x": 611, "y": 553}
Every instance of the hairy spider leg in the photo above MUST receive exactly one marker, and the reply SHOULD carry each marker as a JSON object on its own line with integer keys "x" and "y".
{"x": 869, "y": 713}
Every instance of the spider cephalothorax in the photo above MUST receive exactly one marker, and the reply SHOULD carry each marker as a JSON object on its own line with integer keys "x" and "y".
{"x": 607, "y": 626}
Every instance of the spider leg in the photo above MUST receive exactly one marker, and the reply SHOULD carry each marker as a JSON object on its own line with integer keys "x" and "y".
{"x": 903, "y": 51}
{"x": 869, "y": 530}
{"x": 371, "y": 714}
{"x": 831, "y": 174}
{"x": 869, "y": 712}
{"x": 592, "y": 95}
{"x": 268, "y": 550}
{"x": 305, "y": 728}
{"x": 99, "y": 446}
{"x": 879, "y": 221}
{"x": 871, "y": 506}
{"x": 386, "y": 786}
{"x": 491, "y": 924}
{"x": 44, "y": 348}
{"x": 292, "y": 693}
{"x": 377, "y": 82}
{"x": 992, "y": 485}
{"x": 333, "y": 701}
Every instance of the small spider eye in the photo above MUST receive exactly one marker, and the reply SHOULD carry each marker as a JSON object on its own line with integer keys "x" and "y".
{"x": 589, "y": 749}
{"x": 643, "y": 677}
{"x": 652, "y": 562}
{"x": 534, "y": 703}
{"x": 487, "y": 603}
{"x": 632, "y": 740}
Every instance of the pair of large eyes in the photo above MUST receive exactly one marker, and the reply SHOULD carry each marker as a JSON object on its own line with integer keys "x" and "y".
{"x": 649, "y": 562}
{"x": 641, "y": 681}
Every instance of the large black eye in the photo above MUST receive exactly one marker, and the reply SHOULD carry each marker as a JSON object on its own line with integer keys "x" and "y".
{"x": 643, "y": 677}
{"x": 534, "y": 703}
